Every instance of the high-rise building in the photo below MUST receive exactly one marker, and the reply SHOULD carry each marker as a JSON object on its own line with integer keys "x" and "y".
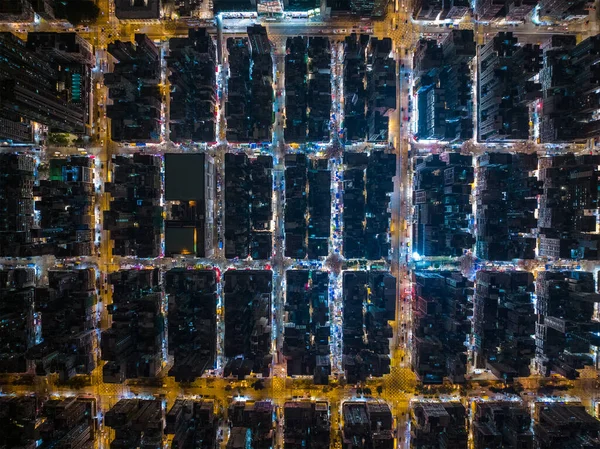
{"x": 441, "y": 197}
{"x": 504, "y": 322}
{"x": 355, "y": 94}
{"x": 296, "y": 89}
{"x": 368, "y": 180}
{"x": 192, "y": 110}
{"x": 319, "y": 88}
{"x": 565, "y": 330}
{"x": 135, "y": 111}
{"x": 558, "y": 424}
{"x": 506, "y": 194}
{"x": 375, "y": 9}
{"x": 502, "y": 425}
{"x": 192, "y": 421}
{"x": 132, "y": 346}
{"x": 237, "y": 106}
{"x": 566, "y": 225}
{"x": 135, "y": 219}
{"x": 261, "y": 85}
{"x": 16, "y": 11}
{"x": 369, "y": 304}
{"x": 137, "y": 9}
{"x": 367, "y": 425}
{"x": 252, "y": 425}
{"x": 307, "y": 425}
{"x": 192, "y": 296}
{"x": 67, "y": 208}
{"x": 381, "y": 88}
{"x": 506, "y": 87}
{"x": 16, "y": 202}
{"x": 441, "y": 326}
{"x": 559, "y": 10}
{"x": 20, "y": 323}
{"x": 137, "y": 422}
{"x": 438, "y": 424}
{"x": 248, "y": 206}
{"x": 444, "y": 87}
{"x": 69, "y": 340}
{"x": 569, "y": 81}
{"x": 247, "y": 297}
{"x": 38, "y": 86}
{"x": 306, "y": 333}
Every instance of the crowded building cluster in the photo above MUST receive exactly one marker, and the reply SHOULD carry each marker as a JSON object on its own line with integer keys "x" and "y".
{"x": 557, "y": 78}
{"x": 369, "y": 305}
{"x": 249, "y": 105}
{"x": 443, "y": 87}
{"x": 247, "y": 297}
{"x": 47, "y": 208}
{"x": 248, "y": 206}
{"x": 306, "y": 335}
{"x": 368, "y": 183}
{"x": 133, "y": 87}
{"x": 307, "y": 206}
{"x": 307, "y": 89}
{"x": 369, "y": 81}
{"x": 46, "y": 80}
{"x": 502, "y": 423}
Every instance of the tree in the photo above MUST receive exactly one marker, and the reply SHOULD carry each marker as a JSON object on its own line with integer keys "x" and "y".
{"x": 58, "y": 139}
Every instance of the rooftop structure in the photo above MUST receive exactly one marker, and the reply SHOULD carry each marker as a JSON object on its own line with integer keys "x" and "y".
{"x": 247, "y": 296}
{"x": 441, "y": 326}
{"x": 438, "y": 424}
{"x": 135, "y": 216}
{"x": 192, "y": 109}
{"x": 306, "y": 333}
{"x": 69, "y": 324}
{"x": 248, "y": 206}
{"x": 132, "y": 346}
{"x": 506, "y": 196}
{"x": 441, "y": 197}
{"x": 504, "y": 322}
{"x": 135, "y": 111}
{"x": 192, "y": 296}
{"x": 369, "y": 303}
